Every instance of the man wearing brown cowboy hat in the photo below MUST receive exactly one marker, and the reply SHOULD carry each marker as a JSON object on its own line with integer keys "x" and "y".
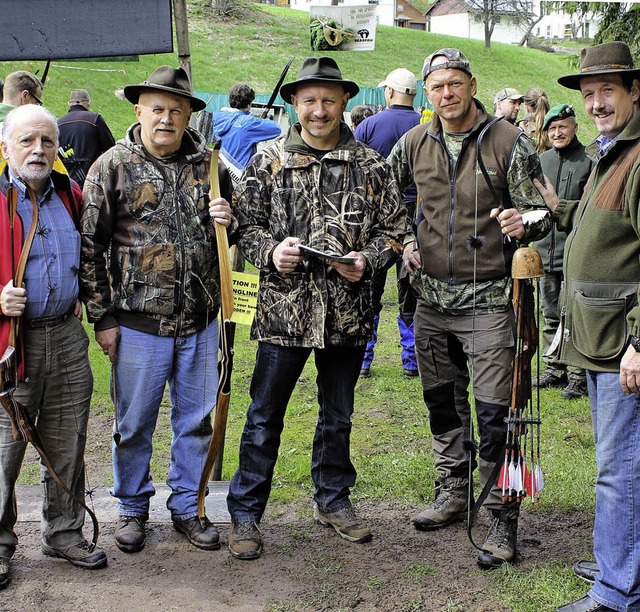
{"x": 600, "y": 324}
{"x": 320, "y": 188}
{"x": 150, "y": 282}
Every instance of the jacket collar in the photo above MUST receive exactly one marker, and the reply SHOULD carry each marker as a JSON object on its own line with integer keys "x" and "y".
{"x": 295, "y": 144}
{"x": 192, "y": 147}
{"x": 630, "y": 132}
{"x": 61, "y": 182}
{"x": 482, "y": 118}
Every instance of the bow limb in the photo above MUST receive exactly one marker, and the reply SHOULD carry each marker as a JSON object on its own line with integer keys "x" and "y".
{"x": 276, "y": 89}
{"x": 22, "y": 427}
{"x": 226, "y": 342}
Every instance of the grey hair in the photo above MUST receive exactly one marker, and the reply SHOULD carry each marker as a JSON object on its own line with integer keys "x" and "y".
{"x": 26, "y": 110}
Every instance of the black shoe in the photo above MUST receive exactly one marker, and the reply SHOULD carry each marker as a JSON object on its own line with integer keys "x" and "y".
{"x": 587, "y": 570}
{"x": 130, "y": 533}
{"x": 409, "y": 373}
{"x": 85, "y": 555}
{"x": 5, "y": 573}
{"x": 500, "y": 545}
{"x": 575, "y": 390}
{"x": 586, "y": 604}
{"x": 245, "y": 540}
{"x": 203, "y": 535}
{"x": 365, "y": 373}
{"x": 549, "y": 379}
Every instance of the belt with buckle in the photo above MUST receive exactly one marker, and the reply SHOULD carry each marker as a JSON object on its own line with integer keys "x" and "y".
{"x": 48, "y": 321}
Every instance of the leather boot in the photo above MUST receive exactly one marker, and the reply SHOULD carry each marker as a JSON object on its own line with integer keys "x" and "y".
{"x": 130, "y": 533}
{"x": 450, "y": 505}
{"x": 500, "y": 545}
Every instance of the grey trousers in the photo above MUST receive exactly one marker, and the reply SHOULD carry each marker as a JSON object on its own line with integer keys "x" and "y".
{"x": 57, "y": 396}
{"x": 487, "y": 343}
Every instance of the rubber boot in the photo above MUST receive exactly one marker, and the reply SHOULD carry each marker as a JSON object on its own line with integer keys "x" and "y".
{"x": 407, "y": 342}
{"x": 368, "y": 352}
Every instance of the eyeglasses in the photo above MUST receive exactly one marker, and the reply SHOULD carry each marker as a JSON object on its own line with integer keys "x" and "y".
{"x": 38, "y": 100}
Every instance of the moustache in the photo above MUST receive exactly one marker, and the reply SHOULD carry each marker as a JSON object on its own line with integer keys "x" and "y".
{"x": 164, "y": 128}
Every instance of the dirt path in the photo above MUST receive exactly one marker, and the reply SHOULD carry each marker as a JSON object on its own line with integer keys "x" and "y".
{"x": 304, "y": 567}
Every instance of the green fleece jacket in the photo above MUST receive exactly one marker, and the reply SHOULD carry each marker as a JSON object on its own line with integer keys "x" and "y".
{"x": 602, "y": 263}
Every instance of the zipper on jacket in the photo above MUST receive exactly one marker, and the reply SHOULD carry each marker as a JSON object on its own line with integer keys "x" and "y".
{"x": 183, "y": 258}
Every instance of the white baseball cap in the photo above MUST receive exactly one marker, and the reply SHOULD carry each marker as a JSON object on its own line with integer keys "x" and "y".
{"x": 402, "y": 81}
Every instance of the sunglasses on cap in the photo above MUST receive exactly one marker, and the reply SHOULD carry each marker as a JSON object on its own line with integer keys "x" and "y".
{"x": 455, "y": 60}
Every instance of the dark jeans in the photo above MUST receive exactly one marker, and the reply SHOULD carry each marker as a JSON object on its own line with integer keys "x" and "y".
{"x": 275, "y": 375}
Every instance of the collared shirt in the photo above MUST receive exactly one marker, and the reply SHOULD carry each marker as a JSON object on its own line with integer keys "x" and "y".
{"x": 604, "y": 144}
{"x": 51, "y": 273}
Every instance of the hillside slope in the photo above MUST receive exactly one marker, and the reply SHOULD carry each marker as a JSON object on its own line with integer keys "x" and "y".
{"x": 255, "y": 49}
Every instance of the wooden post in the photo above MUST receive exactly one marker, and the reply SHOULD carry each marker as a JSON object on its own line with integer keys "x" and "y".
{"x": 182, "y": 35}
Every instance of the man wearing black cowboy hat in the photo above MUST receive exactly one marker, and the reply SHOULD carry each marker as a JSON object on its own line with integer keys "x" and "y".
{"x": 150, "y": 282}
{"x": 319, "y": 188}
{"x": 600, "y": 327}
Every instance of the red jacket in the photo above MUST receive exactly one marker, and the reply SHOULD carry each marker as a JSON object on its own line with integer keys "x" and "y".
{"x": 71, "y": 196}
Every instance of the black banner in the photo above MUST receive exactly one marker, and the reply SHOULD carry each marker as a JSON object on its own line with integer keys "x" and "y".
{"x": 66, "y": 29}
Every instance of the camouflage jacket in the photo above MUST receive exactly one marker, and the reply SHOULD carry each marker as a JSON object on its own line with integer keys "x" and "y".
{"x": 346, "y": 201}
{"x": 148, "y": 247}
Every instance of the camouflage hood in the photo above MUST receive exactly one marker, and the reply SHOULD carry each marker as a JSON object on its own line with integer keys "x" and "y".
{"x": 347, "y": 201}
{"x": 151, "y": 216}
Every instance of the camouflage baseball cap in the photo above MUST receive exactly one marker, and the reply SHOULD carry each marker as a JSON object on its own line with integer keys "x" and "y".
{"x": 508, "y": 92}
{"x": 455, "y": 60}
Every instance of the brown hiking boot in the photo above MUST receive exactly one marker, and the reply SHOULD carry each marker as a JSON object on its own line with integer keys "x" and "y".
{"x": 83, "y": 554}
{"x": 203, "y": 535}
{"x": 500, "y": 545}
{"x": 130, "y": 533}
{"x": 245, "y": 540}
{"x": 450, "y": 505}
{"x": 345, "y": 522}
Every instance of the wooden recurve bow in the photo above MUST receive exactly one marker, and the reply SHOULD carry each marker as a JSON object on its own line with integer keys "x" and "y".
{"x": 227, "y": 329}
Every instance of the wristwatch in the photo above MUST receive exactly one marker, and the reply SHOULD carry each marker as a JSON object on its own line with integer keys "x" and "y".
{"x": 634, "y": 341}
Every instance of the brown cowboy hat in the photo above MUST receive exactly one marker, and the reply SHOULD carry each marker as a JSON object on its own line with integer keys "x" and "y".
{"x": 170, "y": 80}
{"x": 607, "y": 58}
{"x": 318, "y": 69}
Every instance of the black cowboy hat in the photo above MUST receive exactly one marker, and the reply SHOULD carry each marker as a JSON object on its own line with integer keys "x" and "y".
{"x": 170, "y": 80}
{"x": 607, "y": 58}
{"x": 318, "y": 69}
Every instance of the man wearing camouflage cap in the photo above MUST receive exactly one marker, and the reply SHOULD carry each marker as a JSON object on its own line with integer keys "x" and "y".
{"x": 460, "y": 261}
{"x": 507, "y": 104}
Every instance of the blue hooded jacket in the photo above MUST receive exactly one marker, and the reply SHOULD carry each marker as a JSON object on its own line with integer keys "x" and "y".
{"x": 240, "y": 133}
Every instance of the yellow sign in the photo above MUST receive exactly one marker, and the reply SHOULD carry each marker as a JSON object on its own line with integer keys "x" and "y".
{"x": 245, "y": 297}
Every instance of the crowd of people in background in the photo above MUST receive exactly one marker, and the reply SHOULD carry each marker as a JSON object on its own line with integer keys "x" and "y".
{"x": 322, "y": 209}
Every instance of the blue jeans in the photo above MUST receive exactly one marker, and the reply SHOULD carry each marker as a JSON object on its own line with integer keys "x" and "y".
{"x": 275, "y": 376}
{"x": 616, "y": 534}
{"x": 145, "y": 364}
